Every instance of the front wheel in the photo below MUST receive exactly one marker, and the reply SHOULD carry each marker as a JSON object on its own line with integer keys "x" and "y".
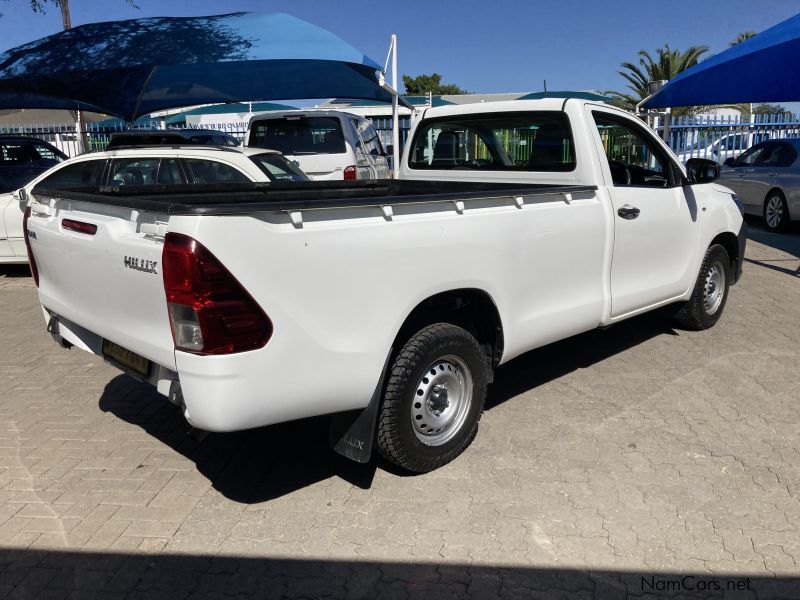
{"x": 776, "y": 212}
{"x": 710, "y": 294}
{"x": 434, "y": 398}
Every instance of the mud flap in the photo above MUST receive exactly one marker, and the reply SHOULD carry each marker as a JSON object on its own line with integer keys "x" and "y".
{"x": 352, "y": 433}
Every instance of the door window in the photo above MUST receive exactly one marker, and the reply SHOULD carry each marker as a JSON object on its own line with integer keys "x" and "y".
{"x": 277, "y": 168}
{"x": 749, "y": 158}
{"x": 634, "y": 159}
{"x": 212, "y": 171}
{"x": 78, "y": 175}
{"x": 369, "y": 137}
{"x": 170, "y": 172}
{"x": 133, "y": 171}
{"x": 145, "y": 171}
{"x": 777, "y": 154}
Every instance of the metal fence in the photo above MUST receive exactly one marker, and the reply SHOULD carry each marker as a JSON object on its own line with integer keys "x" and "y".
{"x": 717, "y": 138}
{"x": 71, "y": 139}
{"x": 94, "y": 137}
{"x": 720, "y": 138}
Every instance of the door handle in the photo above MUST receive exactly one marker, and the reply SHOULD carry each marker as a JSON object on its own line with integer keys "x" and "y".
{"x": 628, "y": 212}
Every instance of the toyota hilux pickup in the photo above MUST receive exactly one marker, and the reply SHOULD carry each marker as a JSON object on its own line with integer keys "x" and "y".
{"x": 387, "y": 305}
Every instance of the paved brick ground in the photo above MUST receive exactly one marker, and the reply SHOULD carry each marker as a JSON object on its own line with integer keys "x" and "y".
{"x": 610, "y": 465}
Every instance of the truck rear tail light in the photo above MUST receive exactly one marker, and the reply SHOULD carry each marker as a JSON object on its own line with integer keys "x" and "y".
{"x": 350, "y": 173}
{"x": 209, "y": 310}
{"x": 31, "y": 259}
{"x": 79, "y": 226}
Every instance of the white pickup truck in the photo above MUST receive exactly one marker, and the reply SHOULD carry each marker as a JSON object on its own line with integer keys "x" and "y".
{"x": 387, "y": 304}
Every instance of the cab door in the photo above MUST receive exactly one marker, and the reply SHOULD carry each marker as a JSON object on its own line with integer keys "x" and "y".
{"x": 742, "y": 180}
{"x": 655, "y": 218}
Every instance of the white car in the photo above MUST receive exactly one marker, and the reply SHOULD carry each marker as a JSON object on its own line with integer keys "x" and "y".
{"x": 140, "y": 165}
{"x": 388, "y": 304}
{"x": 22, "y": 159}
{"x": 726, "y": 148}
{"x": 327, "y": 145}
{"x": 159, "y": 165}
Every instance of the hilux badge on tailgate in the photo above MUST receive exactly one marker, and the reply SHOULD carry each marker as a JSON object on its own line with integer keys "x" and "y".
{"x": 141, "y": 264}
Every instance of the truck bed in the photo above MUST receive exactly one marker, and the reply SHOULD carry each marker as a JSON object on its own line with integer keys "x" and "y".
{"x": 204, "y": 199}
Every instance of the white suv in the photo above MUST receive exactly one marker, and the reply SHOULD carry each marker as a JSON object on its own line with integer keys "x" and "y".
{"x": 329, "y": 145}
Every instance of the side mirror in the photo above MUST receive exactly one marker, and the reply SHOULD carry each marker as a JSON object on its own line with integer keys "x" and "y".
{"x": 20, "y": 195}
{"x": 730, "y": 162}
{"x": 389, "y": 150}
{"x": 702, "y": 170}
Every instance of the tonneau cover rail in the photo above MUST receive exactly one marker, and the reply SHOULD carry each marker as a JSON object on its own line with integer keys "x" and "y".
{"x": 204, "y": 199}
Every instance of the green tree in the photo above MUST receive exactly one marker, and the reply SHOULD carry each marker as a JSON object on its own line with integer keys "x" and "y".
{"x": 424, "y": 84}
{"x": 745, "y": 35}
{"x": 770, "y": 109}
{"x": 667, "y": 64}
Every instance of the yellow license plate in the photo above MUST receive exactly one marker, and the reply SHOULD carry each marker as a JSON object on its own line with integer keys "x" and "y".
{"x": 126, "y": 359}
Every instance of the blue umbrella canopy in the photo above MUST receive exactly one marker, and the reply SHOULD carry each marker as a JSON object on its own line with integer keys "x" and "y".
{"x": 765, "y": 68}
{"x": 134, "y": 67}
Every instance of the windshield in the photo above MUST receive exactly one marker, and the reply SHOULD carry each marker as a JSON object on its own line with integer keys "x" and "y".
{"x": 299, "y": 135}
{"x": 277, "y": 168}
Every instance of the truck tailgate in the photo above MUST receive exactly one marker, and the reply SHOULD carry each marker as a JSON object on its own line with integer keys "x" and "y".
{"x": 100, "y": 268}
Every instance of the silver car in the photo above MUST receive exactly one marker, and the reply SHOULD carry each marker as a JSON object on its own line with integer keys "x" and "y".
{"x": 767, "y": 180}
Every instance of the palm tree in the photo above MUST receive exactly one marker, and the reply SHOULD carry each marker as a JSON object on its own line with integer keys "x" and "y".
{"x": 744, "y": 36}
{"x": 667, "y": 65}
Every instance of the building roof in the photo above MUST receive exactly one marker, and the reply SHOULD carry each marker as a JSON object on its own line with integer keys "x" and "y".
{"x": 583, "y": 95}
{"x": 37, "y": 117}
{"x": 229, "y": 108}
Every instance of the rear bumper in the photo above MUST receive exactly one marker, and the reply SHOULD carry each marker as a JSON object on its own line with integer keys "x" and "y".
{"x": 247, "y": 389}
{"x": 69, "y": 334}
{"x": 742, "y": 240}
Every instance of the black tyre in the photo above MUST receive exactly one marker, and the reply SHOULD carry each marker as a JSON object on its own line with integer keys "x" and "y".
{"x": 776, "y": 212}
{"x": 710, "y": 293}
{"x": 434, "y": 398}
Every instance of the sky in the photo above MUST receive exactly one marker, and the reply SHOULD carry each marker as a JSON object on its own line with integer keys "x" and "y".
{"x": 483, "y": 46}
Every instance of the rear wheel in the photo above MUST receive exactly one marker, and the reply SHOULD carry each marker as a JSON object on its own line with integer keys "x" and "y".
{"x": 710, "y": 294}
{"x": 776, "y": 212}
{"x": 434, "y": 398}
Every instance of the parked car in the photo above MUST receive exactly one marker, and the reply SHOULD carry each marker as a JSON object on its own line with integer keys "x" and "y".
{"x": 21, "y": 160}
{"x": 767, "y": 180}
{"x": 388, "y": 304}
{"x": 725, "y": 148}
{"x": 150, "y": 137}
{"x": 328, "y": 145}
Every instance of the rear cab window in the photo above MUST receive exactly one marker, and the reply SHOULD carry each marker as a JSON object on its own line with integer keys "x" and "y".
{"x": 525, "y": 141}
{"x": 298, "y": 135}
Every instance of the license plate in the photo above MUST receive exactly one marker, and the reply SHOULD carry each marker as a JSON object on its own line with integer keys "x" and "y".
{"x": 123, "y": 358}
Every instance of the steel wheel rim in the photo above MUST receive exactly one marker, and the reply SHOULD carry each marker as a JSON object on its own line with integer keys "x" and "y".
{"x": 714, "y": 288}
{"x": 774, "y": 211}
{"x": 442, "y": 400}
